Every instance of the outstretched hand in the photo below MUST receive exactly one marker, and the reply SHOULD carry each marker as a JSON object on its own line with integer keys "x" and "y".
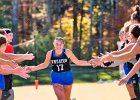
{"x": 20, "y": 72}
{"x": 122, "y": 81}
{"x": 106, "y": 58}
{"x": 96, "y": 61}
{"x": 28, "y": 56}
{"x": 13, "y": 64}
{"x": 28, "y": 69}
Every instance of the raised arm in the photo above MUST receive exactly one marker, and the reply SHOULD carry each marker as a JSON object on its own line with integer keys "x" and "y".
{"x": 74, "y": 59}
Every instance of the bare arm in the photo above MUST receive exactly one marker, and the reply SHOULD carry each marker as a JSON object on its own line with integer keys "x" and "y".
{"x": 132, "y": 53}
{"x": 11, "y": 56}
{"x": 125, "y": 49}
{"x": 131, "y": 73}
{"x": 134, "y": 70}
{"x": 74, "y": 59}
{"x": 8, "y": 62}
{"x": 115, "y": 63}
{"x": 17, "y": 71}
{"x": 24, "y": 57}
{"x": 7, "y": 71}
{"x": 42, "y": 65}
{"x": 4, "y": 62}
{"x": 125, "y": 54}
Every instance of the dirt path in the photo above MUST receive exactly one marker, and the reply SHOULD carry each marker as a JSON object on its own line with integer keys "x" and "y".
{"x": 81, "y": 91}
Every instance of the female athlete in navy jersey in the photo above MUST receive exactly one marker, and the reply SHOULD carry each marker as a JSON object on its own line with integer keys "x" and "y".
{"x": 61, "y": 75}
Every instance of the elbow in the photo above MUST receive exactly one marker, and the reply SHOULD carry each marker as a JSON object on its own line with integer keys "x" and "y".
{"x": 45, "y": 65}
{"x": 76, "y": 63}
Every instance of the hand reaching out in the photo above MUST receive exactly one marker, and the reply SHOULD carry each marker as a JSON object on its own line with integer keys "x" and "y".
{"x": 29, "y": 56}
{"x": 106, "y": 58}
{"x": 28, "y": 69}
{"x": 122, "y": 81}
{"x": 96, "y": 61}
{"x": 20, "y": 72}
{"x": 12, "y": 63}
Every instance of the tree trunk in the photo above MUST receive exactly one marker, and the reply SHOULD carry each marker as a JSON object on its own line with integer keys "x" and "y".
{"x": 15, "y": 4}
{"x": 49, "y": 12}
{"x": 75, "y": 29}
{"x": 116, "y": 10}
{"x": 45, "y": 24}
{"x": 101, "y": 34}
{"x": 25, "y": 8}
{"x": 81, "y": 27}
{"x": 91, "y": 36}
{"x": 30, "y": 19}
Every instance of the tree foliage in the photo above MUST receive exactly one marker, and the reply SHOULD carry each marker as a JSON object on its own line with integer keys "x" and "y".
{"x": 50, "y": 17}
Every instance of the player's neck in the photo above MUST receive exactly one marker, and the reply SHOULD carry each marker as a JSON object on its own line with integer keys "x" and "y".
{"x": 58, "y": 52}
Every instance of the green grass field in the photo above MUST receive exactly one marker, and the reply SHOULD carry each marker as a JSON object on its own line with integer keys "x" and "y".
{"x": 81, "y": 74}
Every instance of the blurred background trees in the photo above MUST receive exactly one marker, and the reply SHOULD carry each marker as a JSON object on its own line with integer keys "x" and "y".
{"x": 89, "y": 27}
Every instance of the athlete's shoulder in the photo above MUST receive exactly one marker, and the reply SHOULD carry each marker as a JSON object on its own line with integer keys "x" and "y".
{"x": 68, "y": 50}
{"x": 49, "y": 52}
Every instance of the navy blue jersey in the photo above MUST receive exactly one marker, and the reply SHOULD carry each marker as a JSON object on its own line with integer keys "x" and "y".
{"x": 60, "y": 63}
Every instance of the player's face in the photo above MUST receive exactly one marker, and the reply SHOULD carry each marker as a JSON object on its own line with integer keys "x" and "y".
{"x": 127, "y": 36}
{"x": 130, "y": 37}
{"x": 134, "y": 21}
{"x": 58, "y": 44}
{"x": 9, "y": 37}
{"x": 2, "y": 47}
{"x": 122, "y": 37}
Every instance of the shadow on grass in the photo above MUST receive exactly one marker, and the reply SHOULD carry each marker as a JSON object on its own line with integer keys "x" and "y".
{"x": 81, "y": 74}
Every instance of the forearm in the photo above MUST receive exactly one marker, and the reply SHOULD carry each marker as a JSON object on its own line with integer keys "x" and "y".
{"x": 6, "y": 71}
{"x": 134, "y": 70}
{"x": 10, "y": 56}
{"x": 124, "y": 56}
{"x": 131, "y": 53}
{"x": 115, "y": 52}
{"x": 116, "y": 63}
{"x": 19, "y": 60}
{"x": 4, "y": 62}
{"x": 39, "y": 67}
{"x": 82, "y": 63}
